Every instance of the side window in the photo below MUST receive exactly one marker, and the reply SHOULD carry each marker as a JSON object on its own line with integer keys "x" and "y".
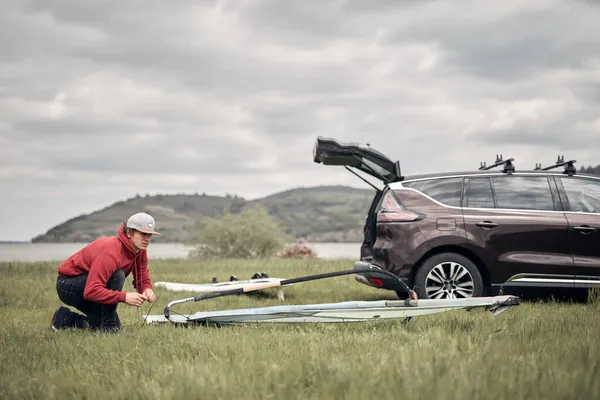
{"x": 445, "y": 190}
{"x": 479, "y": 193}
{"x": 583, "y": 194}
{"x": 523, "y": 192}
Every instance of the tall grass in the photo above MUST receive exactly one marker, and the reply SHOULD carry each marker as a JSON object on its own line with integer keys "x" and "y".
{"x": 533, "y": 351}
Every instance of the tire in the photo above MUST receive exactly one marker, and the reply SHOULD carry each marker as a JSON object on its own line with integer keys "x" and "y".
{"x": 433, "y": 279}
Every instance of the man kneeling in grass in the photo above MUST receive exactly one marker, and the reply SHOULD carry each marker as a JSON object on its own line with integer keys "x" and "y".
{"x": 92, "y": 279}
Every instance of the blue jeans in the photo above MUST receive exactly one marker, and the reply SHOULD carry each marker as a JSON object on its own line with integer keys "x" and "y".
{"x": 96, "y": 316}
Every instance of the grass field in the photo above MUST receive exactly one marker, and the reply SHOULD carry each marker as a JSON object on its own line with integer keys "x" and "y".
{"x": 533, "y": 351}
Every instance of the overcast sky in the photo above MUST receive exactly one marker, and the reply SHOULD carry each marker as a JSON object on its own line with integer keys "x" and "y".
{"x": 102, "y": 100}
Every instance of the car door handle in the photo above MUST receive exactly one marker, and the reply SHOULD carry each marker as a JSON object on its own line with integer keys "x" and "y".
{"x": 584, "y": 229}
{"x": 487, "y": 224}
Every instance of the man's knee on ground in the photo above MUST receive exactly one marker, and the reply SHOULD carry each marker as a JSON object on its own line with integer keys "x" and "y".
{"x": 116, "y": 281}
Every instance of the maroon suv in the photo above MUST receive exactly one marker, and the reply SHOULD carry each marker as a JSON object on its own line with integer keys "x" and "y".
{"x": 468, "y": 234}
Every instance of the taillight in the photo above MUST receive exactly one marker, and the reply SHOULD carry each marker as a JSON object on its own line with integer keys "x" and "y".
{"x": 392, "y": 211}
{"x": 376, "y": 281}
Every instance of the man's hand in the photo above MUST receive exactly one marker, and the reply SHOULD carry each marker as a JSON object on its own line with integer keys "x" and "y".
{"x": 134, "y": 299}
{"x": 149, "y": 295}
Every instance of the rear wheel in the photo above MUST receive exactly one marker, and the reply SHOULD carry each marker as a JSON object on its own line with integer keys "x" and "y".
{"x": 448, "y": 276}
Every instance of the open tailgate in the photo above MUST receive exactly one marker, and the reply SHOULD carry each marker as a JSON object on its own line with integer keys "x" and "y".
{"x": 329, "y": 151}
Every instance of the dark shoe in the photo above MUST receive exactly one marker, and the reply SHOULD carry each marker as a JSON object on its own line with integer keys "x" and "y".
{"x": 58, "y": 319}
{"x": 233, "y": 278}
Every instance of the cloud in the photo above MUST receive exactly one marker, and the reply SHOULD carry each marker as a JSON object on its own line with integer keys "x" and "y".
{"x": 104, "y": 100}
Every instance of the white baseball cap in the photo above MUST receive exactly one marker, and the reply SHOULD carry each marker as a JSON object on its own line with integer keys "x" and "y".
{"x": 142, "y": 222}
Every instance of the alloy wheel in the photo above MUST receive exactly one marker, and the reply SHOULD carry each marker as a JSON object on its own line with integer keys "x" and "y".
{"x": 449, "y": 280}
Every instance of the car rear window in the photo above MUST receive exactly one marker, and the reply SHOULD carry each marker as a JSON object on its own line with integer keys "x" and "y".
{"x": 445, "y": 190}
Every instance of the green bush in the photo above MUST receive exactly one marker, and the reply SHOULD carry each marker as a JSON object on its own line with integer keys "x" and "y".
{"x": 252, "y": 233}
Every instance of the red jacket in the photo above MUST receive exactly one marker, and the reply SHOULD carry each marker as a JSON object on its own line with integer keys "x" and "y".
{"x": 101, "y": 259}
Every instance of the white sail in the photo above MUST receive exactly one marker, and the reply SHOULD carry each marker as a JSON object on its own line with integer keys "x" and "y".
{"x": 350, "y": 311}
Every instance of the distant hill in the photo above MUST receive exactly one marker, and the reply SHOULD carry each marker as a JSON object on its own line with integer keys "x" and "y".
{"x": 323, "y": 213}
{"x": 590, "y": 170}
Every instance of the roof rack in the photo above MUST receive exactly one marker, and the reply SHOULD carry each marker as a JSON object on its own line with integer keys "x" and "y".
{"x": 509, "y": 167}
{"x": 569, "y": 166}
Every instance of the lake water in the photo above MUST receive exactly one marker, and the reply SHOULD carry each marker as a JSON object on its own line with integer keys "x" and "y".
{"x": 60, "y": 251}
